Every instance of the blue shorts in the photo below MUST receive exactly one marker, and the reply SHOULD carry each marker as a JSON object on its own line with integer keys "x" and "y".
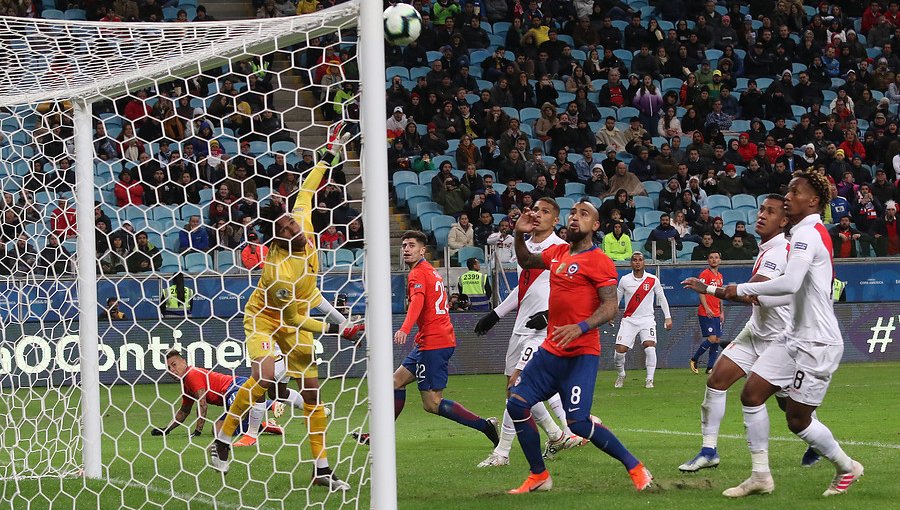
{"x": 573, "y": 378}
{"x": 710, "y": 326}
{"x": 431, "y": 368}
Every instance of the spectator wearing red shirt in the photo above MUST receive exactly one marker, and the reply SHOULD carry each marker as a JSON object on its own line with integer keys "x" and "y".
{"x": 331, "y": 239}
{"x": 746, "y": 149}
{"x": 62, "y": 220}
{"x": 887, "y": 232}
{"x": 852, "y": 146}
{"x": 137, "y": 108}
{"x": 254, "y": 254}
{"x": 128, "y": 191}
{"x": 773, "y": 150}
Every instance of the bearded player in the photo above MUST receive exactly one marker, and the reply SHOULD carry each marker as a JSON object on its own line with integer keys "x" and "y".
{"x": 278, "y": 313}
{"x": 529, "y": 299}
{"x": 582, "y": 297}
{"x": 639, "y": 290}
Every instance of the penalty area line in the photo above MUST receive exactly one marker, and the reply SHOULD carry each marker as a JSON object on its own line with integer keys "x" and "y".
{"x": 776, "y": 438}
{"x": 158, "y": 489}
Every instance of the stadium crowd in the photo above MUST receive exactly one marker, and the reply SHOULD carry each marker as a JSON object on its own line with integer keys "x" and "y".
{"x": 685, "y": 102}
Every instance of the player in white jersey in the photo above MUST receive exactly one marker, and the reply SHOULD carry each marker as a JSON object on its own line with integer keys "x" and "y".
{"x": 639, "y": 290}
{"x": 529, "y": 300}
{"x": 812, "y": 341}
{"x": 745, "y": 354}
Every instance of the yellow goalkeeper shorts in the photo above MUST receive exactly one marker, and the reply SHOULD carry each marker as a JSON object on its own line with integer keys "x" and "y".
{"x": 264, "y": 332}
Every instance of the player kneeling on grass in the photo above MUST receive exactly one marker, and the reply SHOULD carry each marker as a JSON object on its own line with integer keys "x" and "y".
{"x": 428, "y": 362}
{"x": 207, "y": 388}
{"x": 278, "y": 313}
{"x": 638, "y": 319}
{"x": 582, "y": 296}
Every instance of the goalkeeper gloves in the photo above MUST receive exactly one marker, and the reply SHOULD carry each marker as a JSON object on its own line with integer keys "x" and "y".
{"x": 537, "y": 321}
{"x": 486, "y": 323}
{"x": 333, "y": 150}
{"x": 348, "y": 330}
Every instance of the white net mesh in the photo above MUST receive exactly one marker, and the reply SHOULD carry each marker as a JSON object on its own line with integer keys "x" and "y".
{"x": 202, "y": 137}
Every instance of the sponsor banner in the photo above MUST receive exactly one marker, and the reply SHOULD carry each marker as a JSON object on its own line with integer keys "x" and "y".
{"x": 38, "y": 354}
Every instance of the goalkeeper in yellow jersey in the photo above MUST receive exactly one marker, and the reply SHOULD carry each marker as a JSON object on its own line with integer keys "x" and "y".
{"x": 277, "y": 313}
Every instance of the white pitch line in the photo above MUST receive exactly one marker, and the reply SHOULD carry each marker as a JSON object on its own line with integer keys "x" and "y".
{"x": 777, "y": 438}
{"x": 188, "y": 498}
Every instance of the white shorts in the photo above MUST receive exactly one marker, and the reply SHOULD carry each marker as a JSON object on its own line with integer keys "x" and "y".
{"x": 630, "y": 328}
{"x": 521, "y": 349}
{"x": 815, "y": 363}
{"x": 745, "y": 349}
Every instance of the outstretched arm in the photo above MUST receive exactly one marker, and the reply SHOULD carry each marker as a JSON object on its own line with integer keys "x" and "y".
{"x": 788, "y": 283}
{"x": 180, "y": 416}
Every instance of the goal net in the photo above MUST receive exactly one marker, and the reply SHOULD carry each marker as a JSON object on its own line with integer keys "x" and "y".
{"x": 143, "y": 167}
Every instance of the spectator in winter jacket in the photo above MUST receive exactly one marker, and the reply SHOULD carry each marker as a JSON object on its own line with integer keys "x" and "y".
{"x": 128, "y": 191}
{"x": 617, "y": 244}
{"x": 194, "y": 236}
{"x": 462, "y": 233}
{"x": 662, "y": 235}
{"x": 62, "y": 220}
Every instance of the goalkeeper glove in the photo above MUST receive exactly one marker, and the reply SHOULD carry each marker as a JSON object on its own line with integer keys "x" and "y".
{"x": 158, "y": 432}
{"x": 333, "y": 150}
{"x": 486, "y": 323}
{"x": 348, "y": 330}
{"x": 196, "y": 433}
{"x": 537, "y": 321}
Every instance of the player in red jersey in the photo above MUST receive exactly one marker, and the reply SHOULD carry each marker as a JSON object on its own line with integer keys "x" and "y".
{"x": 206, "y": 388}
{"x": 710, "y": 313}
{"x": 428, "y": 363}
{"x": 582, "y": 297}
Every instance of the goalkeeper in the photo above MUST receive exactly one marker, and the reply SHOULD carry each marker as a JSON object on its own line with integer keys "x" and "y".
{"x": 278, "y": 313}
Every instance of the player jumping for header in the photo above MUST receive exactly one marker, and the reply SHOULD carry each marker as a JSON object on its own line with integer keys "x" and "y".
{"x": 582, "y": 297}
{"x": 428, "y": 363}
{"x": 638, "y": 319}
{"x": 710, "y": 314}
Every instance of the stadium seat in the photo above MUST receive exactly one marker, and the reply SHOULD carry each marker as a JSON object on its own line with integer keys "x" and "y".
{"x": 206, "y": 195}
{"x": 717, "y": 201}
{"x": 649, "y": 218}
{"x": 524, "y": 187}
{"x": 426, "y": 207}
{"x": 743, "y": 200}
{"x": 686, "y": 248}
{"x": 426, "y": 176}
{"x": 529, "y": 115}
{"x": 512, "y": 112}
{"x": 440, "y": 235}
{"x": 733, "y": 216}
{"x": 574, "y": 189}
{"x": 53, "y": 14}
{"x": 402, "y": 179}
{"x": 467, "y": 252}
{"x": 196, "y": 262}
{"x": 442, "y": 221}
{"x": 225, "y": 260}
{"x": 400, "y": 71}
{"x": 425, "y": 220}
{"x": 169, "y": 13}
{"x": 641, "y": 234}
{"x": 483, "y": 172}
{"x": 642, "y": 202}
{"x": 565, "y": 202}
{"x": 343, "y": 256}
{"x": 751, "y": 216}
{"x": 498, "y": 217}
{"x": 625, "y": 113}
{"x": 501, "y": 27}
{"x": 653, "y": 186}
{"x": 671, "y": 84}
{"x": 75, "y": 14}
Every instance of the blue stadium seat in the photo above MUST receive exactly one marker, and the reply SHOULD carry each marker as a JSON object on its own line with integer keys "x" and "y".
{"x": 501, "y": 27}
{"x": 751, "y": 216}
{"x": 498, "y": 217}
{"x": 400, "y": 71}
{"x": 426, "y": 176}
{"x": 529, "y": 114}
{"x": 225, "y": 260}
{"x": 653, "y": 186}
{"x": 743, "y": 200}
{"x": 483, "y": 172}
{"x": 75, "y": 14}
{"x": 467, "y": 252}
{"x": 512, "y": 112}
{"x": 440, "y": 235}
{"x": 625, "y": 113}
{"x": 415, "y": 72}
{"x": 524, "y": 187}
{"x": 565, "y": 202}
{"x": 641, "y": 234}
{"x": 671, "y": 84}
{"x": 425, "y": 220}
{"x": 642, "y": 202}
{"x": 344, "y": 257}
{"x": 733, "y": 216}
{"x": 196, "y": 262}
{"x": 717, "y": 201}
{"x": 53, "y": 14}
{"x": 574, "y": 189}
{"x": 426, "y": 207}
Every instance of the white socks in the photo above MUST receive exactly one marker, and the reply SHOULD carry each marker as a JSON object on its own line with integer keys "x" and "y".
{"x": 545, "y": 421}
{"x": 822, "y": 440}
{"x": 711, "y": 413}
{"x": 294, "y": 399}
{"x": 507, "y": 434}
{"x": 756, "y": 423}
{"x": 257, "y": 413}
{"x": 555, "y": 403}
{"x": 650, "y": 355}
{"x": 619, "y": 361}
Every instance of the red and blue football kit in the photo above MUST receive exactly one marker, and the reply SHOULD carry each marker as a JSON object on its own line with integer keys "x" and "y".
{"x": 574, "y": 280}
{"x": 435, "y": 341}
{"x": 198, "y": 379}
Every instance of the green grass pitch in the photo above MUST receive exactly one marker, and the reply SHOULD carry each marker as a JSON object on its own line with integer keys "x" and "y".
{"x": 436, "y": 458}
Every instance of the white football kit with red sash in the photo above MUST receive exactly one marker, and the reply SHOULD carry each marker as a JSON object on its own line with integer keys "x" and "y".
{"x": 638, "y": 318}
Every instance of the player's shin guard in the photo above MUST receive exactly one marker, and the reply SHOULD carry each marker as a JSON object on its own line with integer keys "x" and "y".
{"x": 456, "y": 412}
{"x": 316, "y": 423}
{"x": 756, "y": 423}
{"x": 650, "y": 354}
{"x": 604, "y": 439}
{"x": 248, "y": 394}
{"x": 619, "y": 361}
{"x": 704, "y": 346}
{"x": 527, "y": 432}
{"x": 399, "y": 401}
{"x": 257, "y": 413}
{"x": 711, "y": 413}
{"x": 556, "y": 405}
{"x": 545, "y": 421}
{"x": 713, "y": 355}
{"x": 820, "y": 438}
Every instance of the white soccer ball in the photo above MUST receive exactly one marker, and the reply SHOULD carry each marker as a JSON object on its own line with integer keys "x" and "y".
{"x": 402, "y": 24}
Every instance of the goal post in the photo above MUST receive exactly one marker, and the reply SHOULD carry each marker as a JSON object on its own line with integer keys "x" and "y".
{"x": 69, "y": 91}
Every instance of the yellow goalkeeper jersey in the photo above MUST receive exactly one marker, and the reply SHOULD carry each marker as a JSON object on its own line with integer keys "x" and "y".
{"x": 288, "y": 287}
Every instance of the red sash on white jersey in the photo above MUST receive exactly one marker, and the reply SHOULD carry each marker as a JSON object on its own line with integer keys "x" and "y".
{"x": 526, "y": 278}
{"x": 638, "y": 296}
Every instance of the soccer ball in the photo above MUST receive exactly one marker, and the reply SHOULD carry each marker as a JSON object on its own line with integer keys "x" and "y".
{"x": 402, "y": 24}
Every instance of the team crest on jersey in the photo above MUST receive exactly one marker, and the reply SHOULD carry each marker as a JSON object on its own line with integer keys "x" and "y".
{"x": 265, "y": 346}
{"x": 572, "y": 269}
{"x": 646, "y": 287}
{"x": 283, "y": 294}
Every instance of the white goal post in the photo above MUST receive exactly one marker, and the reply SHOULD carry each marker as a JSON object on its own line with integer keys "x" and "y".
{"x": 79, "y": 63}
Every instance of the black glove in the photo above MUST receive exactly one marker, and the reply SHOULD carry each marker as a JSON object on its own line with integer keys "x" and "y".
{"x": 537, "y": 321}
{"x": 157, "y": 432}
{"x": 486, "y": 323}
{"x": 196, "y": 433}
